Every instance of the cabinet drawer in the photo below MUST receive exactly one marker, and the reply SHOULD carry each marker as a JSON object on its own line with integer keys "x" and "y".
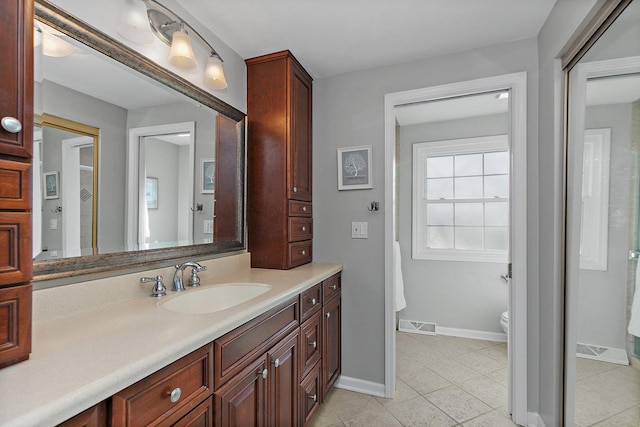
{"x": 310, "y": 301}
{"x": 310, "y": 343}
{"x": 300, "y": 229}
{"x": 149, "y": 401}
{"x": 15, "y": 247}
{"x": 202, "y": 415}
{"x": 15, "y": 324}
{"x": 15, "y": 188}
{"x": 95, "y": 416}
{"x": 299, "y": 253}
{"x": 298, "y": 208}
{"x": 331, "y": 287}
{"x": 310, "y": 394}
{"x": 239, "y": 347}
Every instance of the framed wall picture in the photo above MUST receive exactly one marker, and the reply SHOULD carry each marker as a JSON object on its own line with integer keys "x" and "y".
{"x": 151, "y": 192}
{"x": 208, "y": 175}
{"x": 51, "y": 185}
{"x": 354, "y": 168}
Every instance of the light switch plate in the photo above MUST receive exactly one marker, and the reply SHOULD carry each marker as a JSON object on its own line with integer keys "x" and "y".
{"x": 208, "y": 226}
{"x": 359, "y": 230}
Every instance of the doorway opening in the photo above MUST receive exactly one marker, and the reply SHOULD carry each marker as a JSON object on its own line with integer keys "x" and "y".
{"x": 456, "y": 230}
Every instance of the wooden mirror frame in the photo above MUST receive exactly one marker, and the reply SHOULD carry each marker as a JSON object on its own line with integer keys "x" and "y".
{"x": 59, "y": 19}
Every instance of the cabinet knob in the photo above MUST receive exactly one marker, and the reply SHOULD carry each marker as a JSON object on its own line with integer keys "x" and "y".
{"x": 276, "y": 363}
{"x": 303, "y": 252}
{"x": 314, "y": 397}
{"x": 313, "y": 301}
{"x": 175, "y": 394}
{"x": 328, "y": 315}
{"x": 11, "y": 124}
{"x": 314, "y": 344}
{"x": 264, "y": 373}
{"x": 295, "y": 189}
{"x": 334, "y": 286}
{"x": 304, "y": 209}
{"x": 304, "y": 228}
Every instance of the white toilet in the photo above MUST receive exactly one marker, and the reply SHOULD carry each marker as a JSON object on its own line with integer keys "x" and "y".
{"x": 504, "y": 322}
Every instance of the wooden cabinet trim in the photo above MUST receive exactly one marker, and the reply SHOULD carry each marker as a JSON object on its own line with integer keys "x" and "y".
{"x": 147, "y": 402}
{"x": 15, "y": 248}
{"x": 239, "y": 347}
{"x": 15, "y": 324}
{"x": 15, "y": 190}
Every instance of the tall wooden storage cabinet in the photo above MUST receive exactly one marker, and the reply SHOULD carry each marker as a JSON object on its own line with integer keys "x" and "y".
{"x": 16, "y": 134}
{"x": 280, "y": 225}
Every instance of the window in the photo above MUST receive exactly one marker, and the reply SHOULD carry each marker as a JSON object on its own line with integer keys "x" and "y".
{"x": 461, "y": 199}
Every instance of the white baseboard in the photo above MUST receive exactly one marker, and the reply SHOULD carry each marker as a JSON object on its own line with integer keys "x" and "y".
{"x": 360, "y": 386}
{"x": 469, "y": 333}
{"x": 534, "y": 420}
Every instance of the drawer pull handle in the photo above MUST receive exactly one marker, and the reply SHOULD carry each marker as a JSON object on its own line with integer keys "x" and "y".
{"x": 303, "y": 229}
{"x": 295, "y": 189}
{"x": 264, "y": 373}
{"x": 328, "y": 315}
{"x": 314, "y": 397}
{"x": 276, "y": 363}
{"x": 313, "y": 301}
{"x": 314, "y": 344}
{"x": 175, "y": 395}
{"x": 304, "y": 209}
{"x": 334, "y": 286}
{"x": 303, "y": 252}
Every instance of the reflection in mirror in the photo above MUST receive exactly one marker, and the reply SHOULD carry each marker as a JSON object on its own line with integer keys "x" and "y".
{"x": 602, "y": 227}
{"x": 159, "y": 157}
{"x": 65, "y": 161}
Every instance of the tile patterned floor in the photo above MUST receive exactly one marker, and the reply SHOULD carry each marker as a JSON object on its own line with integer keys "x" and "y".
{"x": 448, "y": 381}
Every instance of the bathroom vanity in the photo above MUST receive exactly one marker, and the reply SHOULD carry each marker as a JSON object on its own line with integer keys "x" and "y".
{"x": 267, "y": 361}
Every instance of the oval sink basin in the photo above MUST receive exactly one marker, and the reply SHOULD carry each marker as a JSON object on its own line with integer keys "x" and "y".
{"x": 214, "y": 298}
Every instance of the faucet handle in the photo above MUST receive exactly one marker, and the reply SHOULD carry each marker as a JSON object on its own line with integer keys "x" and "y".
{"x": 159, "y": 289}
{"x": 195, "y": 279}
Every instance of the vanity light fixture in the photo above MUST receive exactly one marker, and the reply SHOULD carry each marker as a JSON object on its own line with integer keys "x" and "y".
{"x": 52, "y": 43}
{"x": 176, "y": 33}
{"x": 134, "y": 23}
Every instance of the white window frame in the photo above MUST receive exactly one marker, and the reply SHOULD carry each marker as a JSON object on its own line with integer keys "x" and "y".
{"x": 444, "y": 148}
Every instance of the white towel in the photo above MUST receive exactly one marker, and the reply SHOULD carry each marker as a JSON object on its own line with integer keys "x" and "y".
{"x": 398, "y": 283}
{"x": 634, "y": 322}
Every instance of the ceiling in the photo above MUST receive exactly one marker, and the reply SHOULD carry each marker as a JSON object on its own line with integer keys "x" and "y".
{"x": 331, "y": 37}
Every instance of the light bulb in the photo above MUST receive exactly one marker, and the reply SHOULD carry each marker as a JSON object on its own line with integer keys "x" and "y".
{"x": 214, "y": 73}
{"x": 181, "y": 54}
{"x": 55, "y": 46}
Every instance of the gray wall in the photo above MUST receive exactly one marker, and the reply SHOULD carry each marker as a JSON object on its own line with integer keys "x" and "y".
{"x": 161, "y": 163}
{"x": 111, "y": 120}
{"x": 546, "y": 296}
{"x": 349, "y": 110}
{"x": 453, "y": 294}
{"x": 602, "y": 317}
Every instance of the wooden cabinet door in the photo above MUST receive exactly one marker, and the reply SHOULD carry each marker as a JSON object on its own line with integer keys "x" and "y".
{"x": 16, "y": 76}
{"x": 241, "y": 401}
{"x": 284, "y": 382}
{"x": 310, "y": 389}
{"x": 299, "y": 174}
{"x": 15, "y": 324}
{"x": 200, "y": 416}
{"x": 332, "y": 350}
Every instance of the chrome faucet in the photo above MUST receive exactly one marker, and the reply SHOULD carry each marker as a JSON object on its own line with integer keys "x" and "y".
{"x": 159, "y": 289}
{"x": 178, "y": 283}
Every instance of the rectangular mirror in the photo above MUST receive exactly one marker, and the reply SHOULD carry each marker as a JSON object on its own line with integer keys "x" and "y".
{"x": 132, "y": 164}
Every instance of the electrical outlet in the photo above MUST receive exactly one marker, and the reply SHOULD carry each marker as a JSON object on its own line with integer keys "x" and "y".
{"x": 208, "y": 226}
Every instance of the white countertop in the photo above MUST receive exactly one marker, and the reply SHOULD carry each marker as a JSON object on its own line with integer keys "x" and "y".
{"x": 82, "y": 359}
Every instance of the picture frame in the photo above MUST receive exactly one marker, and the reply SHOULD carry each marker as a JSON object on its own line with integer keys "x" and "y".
{"x": 354, "y": 168}
{"x": 207, "y": 176}
{"x": 51, "y": 185}
{"x": 151, "y": 192}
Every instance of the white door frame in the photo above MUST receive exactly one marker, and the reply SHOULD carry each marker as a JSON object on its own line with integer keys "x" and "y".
{"x": 517, "y": 84}
{"x": 135, "y": 181}
{"x": 578, "y": 77}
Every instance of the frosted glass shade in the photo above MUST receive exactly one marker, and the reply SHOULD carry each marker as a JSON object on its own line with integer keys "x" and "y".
{"x": 214, "y": 74}
{"x": 181, "y": 54}
{"x": 55, "y": 46}
{"x": 134, "y": 23}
